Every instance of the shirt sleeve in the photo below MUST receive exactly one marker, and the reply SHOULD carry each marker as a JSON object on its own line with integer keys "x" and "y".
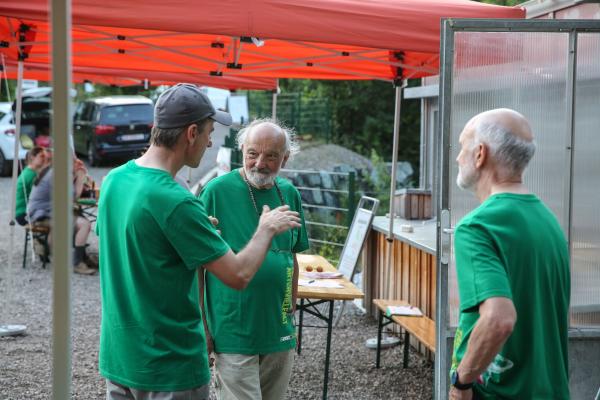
{"x": 480, "y": 271}
{"x": 207, "y": 199}
{"x": 190, "y": 232}
{"x": 301, "y": 243}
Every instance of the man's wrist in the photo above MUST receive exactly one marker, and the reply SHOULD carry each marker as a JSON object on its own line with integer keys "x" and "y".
{"x": 266, "y": 230}
{"x": 459, "y": 383}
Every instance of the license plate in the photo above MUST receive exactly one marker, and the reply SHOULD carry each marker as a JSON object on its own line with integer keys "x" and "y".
{"x": 132, "y": 137}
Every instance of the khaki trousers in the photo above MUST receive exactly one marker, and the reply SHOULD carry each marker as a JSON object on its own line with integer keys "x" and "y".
{"x": 253, "y": 377}
{"x": 114, "y": 391}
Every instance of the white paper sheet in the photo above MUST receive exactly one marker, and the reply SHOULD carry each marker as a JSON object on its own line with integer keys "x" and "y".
{"x": 319, "y": 283}
{"x": 404, "y": 310}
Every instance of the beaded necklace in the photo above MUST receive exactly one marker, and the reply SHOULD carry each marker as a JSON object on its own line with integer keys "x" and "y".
{"x": 251, "y": 192}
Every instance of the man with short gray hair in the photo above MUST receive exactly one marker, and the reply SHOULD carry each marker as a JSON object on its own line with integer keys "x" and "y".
{"x": 253, "y": 331}
{"x": 154, "y": 236}
{"x": 513, "y": 274}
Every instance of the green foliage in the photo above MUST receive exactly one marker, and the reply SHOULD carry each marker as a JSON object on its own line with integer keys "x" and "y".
{"x": 99, "y": 90}
{"x": 381, "y": 186}
{"x": 12, "y": 87}
{"x": 362, "y": 115}
{"x": 332, "y": 252}
{"x": 106, "y": 90}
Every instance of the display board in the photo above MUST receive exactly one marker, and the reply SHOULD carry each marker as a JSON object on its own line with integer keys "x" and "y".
{"x": 356, "y": 236}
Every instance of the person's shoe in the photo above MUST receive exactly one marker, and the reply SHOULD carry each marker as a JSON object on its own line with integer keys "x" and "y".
{"x": 83, "y": 269}
{"x": 91, "y": 260}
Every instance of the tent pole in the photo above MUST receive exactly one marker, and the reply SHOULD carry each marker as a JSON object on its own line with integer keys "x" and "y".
{"x": 62, "y": 198}
{"x": 390, "y": 235}
{"x": 274, "y": 103}
{"x": 15, "y": 165}
{"x": 9, "y": 329}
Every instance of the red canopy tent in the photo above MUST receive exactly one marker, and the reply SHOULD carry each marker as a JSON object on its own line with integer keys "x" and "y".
{"x": 128, "y": 77}
{"x": 316, "y": 39}
{"x": 390, "y": 40}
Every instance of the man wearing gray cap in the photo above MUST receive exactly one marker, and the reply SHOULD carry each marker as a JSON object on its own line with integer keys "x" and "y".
{"x": 154, "y": 235}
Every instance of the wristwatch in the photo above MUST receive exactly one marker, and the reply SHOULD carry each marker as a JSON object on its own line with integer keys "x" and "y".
{"x": 460, "y": 386}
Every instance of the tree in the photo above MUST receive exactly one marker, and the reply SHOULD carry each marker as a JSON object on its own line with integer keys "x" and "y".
{"x": 363, "y": 115}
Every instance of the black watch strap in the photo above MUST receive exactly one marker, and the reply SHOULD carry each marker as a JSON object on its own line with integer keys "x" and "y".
{"x": 458, "y": 385}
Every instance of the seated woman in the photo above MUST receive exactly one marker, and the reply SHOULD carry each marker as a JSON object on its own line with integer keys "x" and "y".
{"x": 35, "y": 160}
{"x": 40, "y": 210}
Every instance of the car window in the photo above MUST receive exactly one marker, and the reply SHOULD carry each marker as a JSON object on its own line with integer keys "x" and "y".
{"x": 127, "y": 114}
{"x": 88, "y": 112}
{"x": 79, "y": 111}
{"x": 6, "y": 118}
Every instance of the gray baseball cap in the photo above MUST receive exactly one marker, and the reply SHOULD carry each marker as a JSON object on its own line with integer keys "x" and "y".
{"x": 184, "y": 104}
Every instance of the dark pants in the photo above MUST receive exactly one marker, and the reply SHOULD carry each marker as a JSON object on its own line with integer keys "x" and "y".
{"x": 21, "y": 219}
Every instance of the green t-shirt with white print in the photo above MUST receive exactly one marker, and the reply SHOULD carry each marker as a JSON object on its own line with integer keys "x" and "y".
{"x": 254, "y": 320}
{"x": 512, "y": 246}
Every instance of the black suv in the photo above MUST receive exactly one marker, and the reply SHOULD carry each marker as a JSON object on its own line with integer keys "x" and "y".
{"x": 115, "y": 126}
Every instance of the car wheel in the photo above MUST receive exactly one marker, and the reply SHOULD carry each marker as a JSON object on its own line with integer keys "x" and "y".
{"x": 5, "y": 165}
{"x": 92, "y": 155}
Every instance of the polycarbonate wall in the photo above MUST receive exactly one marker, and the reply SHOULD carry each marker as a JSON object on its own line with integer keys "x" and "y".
{"x": 525, "y": 71}
{"x": 585, "y": 233}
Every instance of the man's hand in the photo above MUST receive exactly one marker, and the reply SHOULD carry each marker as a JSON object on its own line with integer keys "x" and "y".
{"x": 279, "y": 219}
{"x": 78, "y": 165}
{"x": 456, "y": 394}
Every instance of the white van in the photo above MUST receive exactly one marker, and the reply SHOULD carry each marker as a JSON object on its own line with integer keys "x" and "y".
{"x": 7, "y": 139}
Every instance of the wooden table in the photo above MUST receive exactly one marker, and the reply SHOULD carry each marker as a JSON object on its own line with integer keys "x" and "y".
{"x": 311, "y": 296}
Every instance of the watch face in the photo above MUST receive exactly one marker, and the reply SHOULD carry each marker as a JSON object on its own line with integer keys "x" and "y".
{"x": 454, "y": 377}
{"x": 460, "y": 386}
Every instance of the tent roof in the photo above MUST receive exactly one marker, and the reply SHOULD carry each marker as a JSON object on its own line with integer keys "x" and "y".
{"x": 319, "y": 39}
{"x": 125, "y": 77}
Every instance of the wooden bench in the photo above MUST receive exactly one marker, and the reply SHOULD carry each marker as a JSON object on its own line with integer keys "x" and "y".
{"x": 39, "y": 233}
{"x": 422, "y": 328}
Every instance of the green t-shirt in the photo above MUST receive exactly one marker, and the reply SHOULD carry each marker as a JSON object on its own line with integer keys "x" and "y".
{"x": 253, "y": 320}
{"x": 512, "y": 246}
{"x": 153, "y": 236}
{"x": 24, "y": 184}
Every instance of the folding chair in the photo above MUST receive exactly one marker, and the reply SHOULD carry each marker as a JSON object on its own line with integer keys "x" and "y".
{"x": 41, "y": 234}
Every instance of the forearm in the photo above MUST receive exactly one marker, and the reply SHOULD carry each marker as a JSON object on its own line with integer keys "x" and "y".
{"x": 252, "y": 256}
{"x": 201, "y": 298}
{"x": 78, "y": 185}
{"x": 237, "y": 270}
{"x": 487, "y": 338}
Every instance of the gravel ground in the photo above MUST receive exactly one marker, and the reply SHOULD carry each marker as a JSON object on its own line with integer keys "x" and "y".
{"x": 26, "y": 361}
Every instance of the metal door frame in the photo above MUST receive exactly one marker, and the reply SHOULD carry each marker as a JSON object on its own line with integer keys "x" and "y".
{"x": 444, "y": 333}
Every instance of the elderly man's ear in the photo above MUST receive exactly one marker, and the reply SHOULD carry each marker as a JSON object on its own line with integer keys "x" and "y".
{"x": 285, "y": 159}
{"x": 482, "y": 155}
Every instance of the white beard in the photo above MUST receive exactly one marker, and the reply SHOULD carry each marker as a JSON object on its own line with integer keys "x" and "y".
{"x": 259, "y": 179}
{"x": 467, "y": 177}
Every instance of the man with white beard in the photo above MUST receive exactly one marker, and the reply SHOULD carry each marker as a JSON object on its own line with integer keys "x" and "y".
{"x": 513, "y": 275}
{"x": 252, "y": 330}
